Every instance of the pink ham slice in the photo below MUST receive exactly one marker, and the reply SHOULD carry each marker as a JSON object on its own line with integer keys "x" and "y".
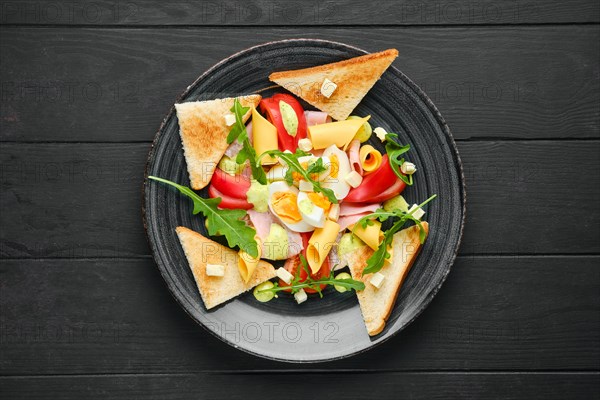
{"x": 353, "y": 208}
{"x": 348, "y": 220}
{"x": 316, "y": 118}
{"x": 354, "y": 156}
{"x": 295, "y": 245}
{"x": 235, "y": 147}
{"x": 262, "y": 223}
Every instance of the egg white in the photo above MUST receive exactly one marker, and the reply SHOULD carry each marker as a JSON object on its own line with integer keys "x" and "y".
{"x": 339, "y": 185}
{"x": 316, "y": 217}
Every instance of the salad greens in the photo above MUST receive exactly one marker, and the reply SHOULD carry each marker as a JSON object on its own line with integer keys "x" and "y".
{"x": 377, "y": 259}
{"x": 315, "y": 284}
{"x": 221, "y": 221}
{"x": 395, "y": 151}
{"x": 291, "y": 159}
{"x": 238, "y": 131}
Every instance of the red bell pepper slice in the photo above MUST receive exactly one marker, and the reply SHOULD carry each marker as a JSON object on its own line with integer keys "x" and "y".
{"x": 372, "y": 184}
{"x": 233, "y": 186}
{"x": 228, "y": 201}
{"x": 270, "y": 107}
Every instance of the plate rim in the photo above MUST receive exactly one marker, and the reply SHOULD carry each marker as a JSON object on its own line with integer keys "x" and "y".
{"x": 418, "y": 91}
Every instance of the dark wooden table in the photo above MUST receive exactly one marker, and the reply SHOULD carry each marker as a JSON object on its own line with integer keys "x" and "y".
{"x": 84, "y": 313}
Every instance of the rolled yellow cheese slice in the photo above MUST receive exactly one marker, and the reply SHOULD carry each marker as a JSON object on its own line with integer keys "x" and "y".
{"x": 371, "y": 235}
{"x": 320, "y": 243}
{"x": 339, "y": 133}
{"x": 247, "y": 264}
{"x": 370, "y": 158}
{"x": 264, "y": 137}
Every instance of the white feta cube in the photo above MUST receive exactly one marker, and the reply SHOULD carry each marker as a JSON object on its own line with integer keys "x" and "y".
{"x": 380, "y": 133}
{"x": 305, "y": 186}
{"x": 327, "y": 88}
{"x": 284, "y": 275}
{"x": 377, "y": 279}
{"x": 215, "y": 270}
{"x": 417, "y": 212}
{"x": 305, "y": 144}
{"x": 300, "y": 296}
{"x": 408, "y": 168}
{"x": 334, "y": 212}
{"x": 229, "y": 119}
{"x": 353, "y": 179}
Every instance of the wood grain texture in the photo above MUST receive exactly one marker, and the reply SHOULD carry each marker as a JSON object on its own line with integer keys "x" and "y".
{"x": 116, "y": 316}
{"x": 307, "y": 12}
{"x": 62, "y": 84}
{"x": 426, "y": 386}
{"x": 84, "y": 200}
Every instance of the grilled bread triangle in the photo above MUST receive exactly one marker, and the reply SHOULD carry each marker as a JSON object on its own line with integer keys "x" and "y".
{"x": 376, "y": 304}
{"x": 353, "y": 77}
{"x": 204, "y": 134}
{"x": 215, "y": 290}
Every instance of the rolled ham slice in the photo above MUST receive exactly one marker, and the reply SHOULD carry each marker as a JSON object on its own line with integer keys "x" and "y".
{"x": 353, "y": 209}
{"x": 235, "y": 147}
{"x": 316, "y": 118}
{"x": 348, "y": 220}
{"x": 354, "y": 156}
{"x": 295, "y": 245}
{"x": 262, "y": 223}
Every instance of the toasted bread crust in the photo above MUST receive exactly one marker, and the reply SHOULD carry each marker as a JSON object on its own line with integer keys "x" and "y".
{"x": 204, "y": 134}
{"x": 354, "y": 78}
{"x": 201, "y": 251}
{"x": 377, "y": 304}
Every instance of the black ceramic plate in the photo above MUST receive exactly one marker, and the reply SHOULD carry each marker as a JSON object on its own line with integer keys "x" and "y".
{"x": 332, "y": 327}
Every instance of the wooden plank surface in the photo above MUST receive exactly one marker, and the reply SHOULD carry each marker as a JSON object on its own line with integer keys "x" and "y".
{"x": 84, "y": 200}
{"x": 307, "y": 12}
{"x": 426, "y": 386}
{"x": 61, "y": 84}
{"x": 116, "y": 316}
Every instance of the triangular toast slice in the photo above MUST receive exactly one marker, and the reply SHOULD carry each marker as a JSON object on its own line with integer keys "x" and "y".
{"x": 353, "y": 77}
{"x": 376, "y": 304}
{"x": 204, "y": 134}
{"x": 215, "y": 290}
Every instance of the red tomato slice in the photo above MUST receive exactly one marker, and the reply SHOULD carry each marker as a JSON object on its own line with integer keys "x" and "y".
{"x": 390, "y": 192}
{"x": 233, "y": 186}
{"x": 371, "y": 185}
{"x": 228, "y": 201}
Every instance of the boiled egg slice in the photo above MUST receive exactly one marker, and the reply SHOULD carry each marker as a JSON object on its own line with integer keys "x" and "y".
{"x": 311, "y": 212}
{"x": 283, "y": 203}
{"x": 339, "y": 169}
{"x": 277, "y": 173}
{"x": 305, "y": 161}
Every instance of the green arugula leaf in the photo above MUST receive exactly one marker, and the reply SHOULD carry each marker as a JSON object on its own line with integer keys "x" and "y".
{"x": 238, "y": 132}
{"x": 220, "y": 221}
{"x": 238, "y": 127}
{"x": 377, "y": 259}
{"x": 395, "y": 151}
{"x": 291, "y": 159}
{"x": 314, "y": 284}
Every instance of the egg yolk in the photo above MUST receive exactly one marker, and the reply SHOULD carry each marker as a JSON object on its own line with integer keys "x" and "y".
{"x": 297, "y": 176}
{"x": 335, "y": 166}
{"x": 285, "y": 205}
{"x": 319, "y": 200}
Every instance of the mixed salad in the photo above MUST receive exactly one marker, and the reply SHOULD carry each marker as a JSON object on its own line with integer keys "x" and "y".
{"x": 294, "y": 185}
